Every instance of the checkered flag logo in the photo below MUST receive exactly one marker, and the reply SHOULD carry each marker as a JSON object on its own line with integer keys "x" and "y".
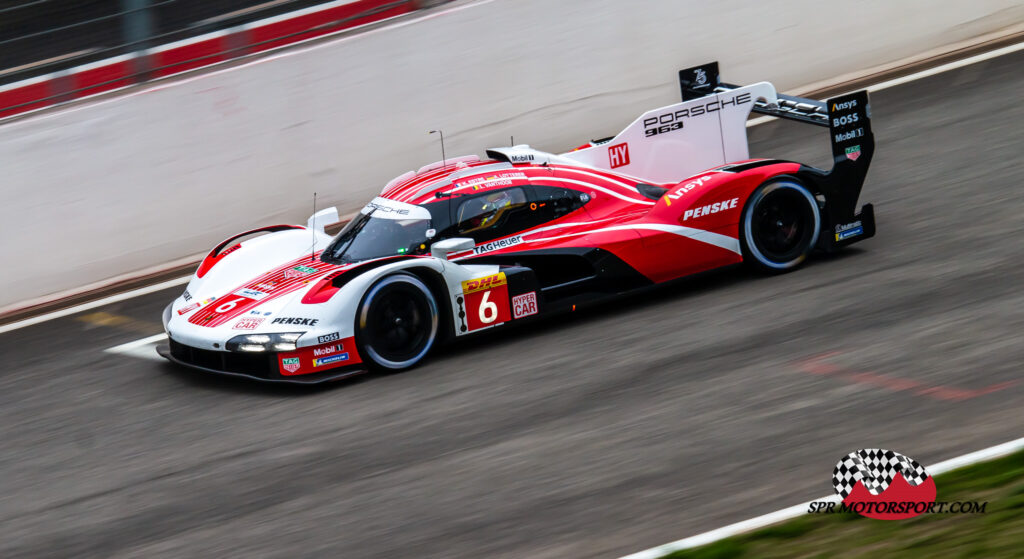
{"x": 875, "y": 468}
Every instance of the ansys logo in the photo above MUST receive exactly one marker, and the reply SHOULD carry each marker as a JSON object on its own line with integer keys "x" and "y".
{"x": 883, "y": 484}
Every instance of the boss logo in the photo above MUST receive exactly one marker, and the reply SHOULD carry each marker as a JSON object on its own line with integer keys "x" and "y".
{"x": 844, "y": 120}
{"x": 328, "y": 338}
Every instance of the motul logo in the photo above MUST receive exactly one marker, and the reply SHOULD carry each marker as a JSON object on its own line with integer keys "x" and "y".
{"x": 618, "y": 155}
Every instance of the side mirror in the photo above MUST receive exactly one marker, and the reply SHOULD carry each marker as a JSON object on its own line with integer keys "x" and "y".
{"x": 441, "y": 249}
{"x": 323, "y": 218}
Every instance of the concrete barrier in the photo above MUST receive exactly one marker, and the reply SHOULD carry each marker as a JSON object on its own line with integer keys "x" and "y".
{"x": 111, "y": 187}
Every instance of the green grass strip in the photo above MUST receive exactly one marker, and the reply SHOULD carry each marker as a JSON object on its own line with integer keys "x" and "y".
{"x": 996, "y": 533}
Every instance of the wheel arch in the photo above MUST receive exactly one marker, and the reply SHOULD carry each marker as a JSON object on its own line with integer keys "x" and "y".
{"x": 818, "y": 201}
{"x": 439, "y": 288}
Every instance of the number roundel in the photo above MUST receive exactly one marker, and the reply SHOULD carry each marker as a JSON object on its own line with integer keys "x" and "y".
{"x": 487, "y": 302}
{"x": 228, "y": 305}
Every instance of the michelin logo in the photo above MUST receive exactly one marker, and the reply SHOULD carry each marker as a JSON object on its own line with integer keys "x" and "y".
{"x": 321, "y": 361}
{"x": 848, "y": 230}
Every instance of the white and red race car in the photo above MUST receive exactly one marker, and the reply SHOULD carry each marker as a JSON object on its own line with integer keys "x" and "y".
{"x": 468, "y": 244}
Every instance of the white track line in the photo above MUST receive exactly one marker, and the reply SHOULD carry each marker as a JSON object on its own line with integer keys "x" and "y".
{"x": 753, "y": 122}
{"x": 917, "y": 76}
{"x": 797, "y": 510}
{"x": 97, "y": 303}
{"x": 143, "y": 349}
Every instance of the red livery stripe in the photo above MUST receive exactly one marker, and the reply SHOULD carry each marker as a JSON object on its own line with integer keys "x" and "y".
{"x": 231, "y": 306}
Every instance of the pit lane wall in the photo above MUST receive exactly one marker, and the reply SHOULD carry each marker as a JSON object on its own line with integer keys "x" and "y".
{"x": 113, "y": 187}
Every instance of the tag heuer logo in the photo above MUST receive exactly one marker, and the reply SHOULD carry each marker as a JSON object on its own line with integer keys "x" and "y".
{"x": 290, "y": 364}
{"x": 852, "y": 153}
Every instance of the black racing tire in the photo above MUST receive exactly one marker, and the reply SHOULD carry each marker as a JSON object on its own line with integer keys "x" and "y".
{"x": 397, "y": 323}
{"x": 780, "y": 226}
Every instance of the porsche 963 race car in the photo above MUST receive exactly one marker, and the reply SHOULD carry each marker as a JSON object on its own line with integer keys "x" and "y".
{"x": 470, "y": 244}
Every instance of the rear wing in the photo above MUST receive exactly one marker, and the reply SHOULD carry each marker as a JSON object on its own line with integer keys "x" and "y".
{"x": 848, "y": 118}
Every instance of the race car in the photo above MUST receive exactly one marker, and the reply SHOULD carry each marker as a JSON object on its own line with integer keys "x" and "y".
{"x": 469, "y": 244}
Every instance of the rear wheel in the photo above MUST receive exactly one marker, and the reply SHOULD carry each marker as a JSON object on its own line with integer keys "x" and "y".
{"x": 397, "y": 322}
{"x": 781, "y": 223}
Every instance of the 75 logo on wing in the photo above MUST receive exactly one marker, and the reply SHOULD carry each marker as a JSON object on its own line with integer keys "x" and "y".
{"x": 486, "y": 301}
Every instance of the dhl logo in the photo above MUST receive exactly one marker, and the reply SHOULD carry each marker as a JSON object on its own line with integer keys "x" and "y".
{"x": 482, "y": 284}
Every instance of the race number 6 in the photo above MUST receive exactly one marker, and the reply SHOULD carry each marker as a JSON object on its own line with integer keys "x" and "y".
{"x": 229, "y": 305}
{"x": 488, "y": 310}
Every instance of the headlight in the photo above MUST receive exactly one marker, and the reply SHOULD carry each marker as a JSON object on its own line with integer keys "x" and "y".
{"x": 264, "y": 342}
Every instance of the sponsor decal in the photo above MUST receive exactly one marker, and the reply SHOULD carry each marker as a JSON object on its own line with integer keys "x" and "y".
{"x": 290, "y": 364}
{"x": 686, "y": 188}
{"x": 260, "y": 313}
{"x": 250, "y": 293}
{"x": 851, "y": 104}
{"x": 674, "y": 120}
{"x": 321, "y": 361}
{"x": 196, "y": 305}
{"x": 481, "y": 284}
{"x": 853, "y": 152}
{"x": 618, "y": 155}
{"x": 304, "y": 270}
{"x": 701, "y": 211}
{"x": 317, "y": 359}
{"x": 328, "y": 350}
{"x": 886, "y": 485}
{"x": 521, "y": 158}
{"x": 187, "y": 296}
{"x": 266, "y": 286}
{"x": 328, "y": 338}
{"x": 524, "y": 305}
{"x": 247, "y": 323}
{"x": 700, "y": 76}
{"x": 852, "y": 118}
{"x": 295, "y": 321}
{"x": 487, "y": 301}
{"x": 849, "y": 230}
{"x": 499, "y": 244}
{"x": 858, "y": 133}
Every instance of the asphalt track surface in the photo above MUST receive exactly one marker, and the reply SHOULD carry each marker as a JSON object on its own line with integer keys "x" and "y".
{"x": 599, "y": 434}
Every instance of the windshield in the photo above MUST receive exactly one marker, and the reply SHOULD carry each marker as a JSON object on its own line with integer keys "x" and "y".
{"x": 383, "y": 228}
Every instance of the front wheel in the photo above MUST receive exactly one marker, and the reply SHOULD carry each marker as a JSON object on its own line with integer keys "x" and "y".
{"x": 780, "y": 226}
{"x": 397, "y": 322}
